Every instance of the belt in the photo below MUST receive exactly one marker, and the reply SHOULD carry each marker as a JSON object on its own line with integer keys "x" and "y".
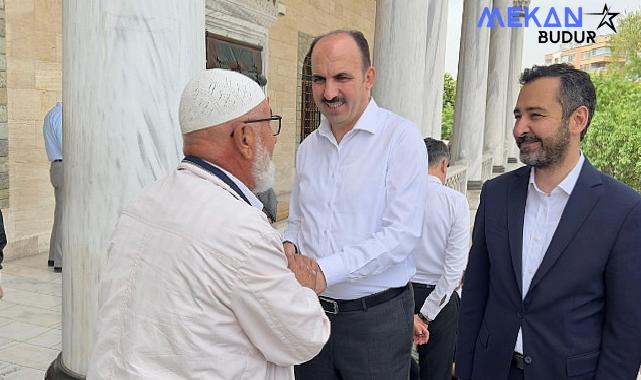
{"x": 56, "y": 161}
{"x": 334, "y": 306}
{"x": 518, "y": 361}
{"x": 423, "y": 286}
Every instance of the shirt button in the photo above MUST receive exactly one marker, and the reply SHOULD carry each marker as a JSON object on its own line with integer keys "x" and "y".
{"x": 527, "y": 360}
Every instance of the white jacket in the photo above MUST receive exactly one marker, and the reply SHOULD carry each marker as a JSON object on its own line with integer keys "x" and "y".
{"x": 196, "y": 286}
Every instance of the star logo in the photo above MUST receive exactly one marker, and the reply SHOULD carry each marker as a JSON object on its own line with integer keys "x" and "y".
{"x": 607, "y": 17}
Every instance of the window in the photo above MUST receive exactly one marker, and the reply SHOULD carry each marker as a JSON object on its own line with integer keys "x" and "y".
{"x": 585, "y": 55}
{"x": 309, "y": 114}
{"x": 604, "y": 50}
{"x": 567, "y": 58}
{"x": 226, "y": 53}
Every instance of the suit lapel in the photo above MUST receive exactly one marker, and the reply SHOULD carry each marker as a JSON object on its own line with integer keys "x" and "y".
{"x": 584, "y": 197}
{"x": 516, "y": 196}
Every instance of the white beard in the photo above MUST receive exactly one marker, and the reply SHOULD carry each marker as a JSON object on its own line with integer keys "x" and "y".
{"x": 263, "y": 169}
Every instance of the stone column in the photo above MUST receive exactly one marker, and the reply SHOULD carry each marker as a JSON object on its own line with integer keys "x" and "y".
{"x": 516, "y": 57}
{"x": 471, "y": 88}
{"x": 434, "y": 69}
{"x": 399, "y": 57}
{"x": 497, "y": 86}
{"x": 125, "y": 64}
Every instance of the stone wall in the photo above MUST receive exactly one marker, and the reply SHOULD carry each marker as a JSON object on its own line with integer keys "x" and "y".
{"x": 4, "y": 129}
{"x": 33, "y": 85}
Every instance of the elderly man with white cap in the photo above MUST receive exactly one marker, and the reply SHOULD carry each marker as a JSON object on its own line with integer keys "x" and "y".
{"x": 197, "y": 285}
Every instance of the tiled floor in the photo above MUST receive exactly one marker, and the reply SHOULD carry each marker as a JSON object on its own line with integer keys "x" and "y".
{"x": 30, "y": 325}
{"x": 30, "y": 322}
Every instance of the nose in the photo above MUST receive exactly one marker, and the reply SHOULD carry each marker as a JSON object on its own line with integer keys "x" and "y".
{"x": 520, "y": 127}
{"x": 331, "y": 90}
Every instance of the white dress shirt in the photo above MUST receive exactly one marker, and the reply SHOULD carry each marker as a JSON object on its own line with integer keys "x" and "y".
{"x": 442, "y": 251}
{"x": 357, "y": 206}
{"x": 52, "y": 132}
{"x": 542, "y": 215}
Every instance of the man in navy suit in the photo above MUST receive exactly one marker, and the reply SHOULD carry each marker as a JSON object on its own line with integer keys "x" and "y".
{"x": 553, "y": 285}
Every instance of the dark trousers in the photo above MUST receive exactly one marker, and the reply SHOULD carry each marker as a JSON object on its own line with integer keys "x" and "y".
{"x": 372, "y": 344}
{"x": 436, "y": 356}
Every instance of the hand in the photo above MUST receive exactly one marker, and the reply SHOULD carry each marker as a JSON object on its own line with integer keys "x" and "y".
{"x": 421, "y": 333}
{"x": 304, "y": 269}
{"x": 290, "y": 249}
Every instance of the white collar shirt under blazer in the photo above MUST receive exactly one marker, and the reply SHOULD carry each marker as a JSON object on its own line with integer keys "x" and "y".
{"x": 357, "y": 206}
{"x": 196, "y": 286}
{"x": 542, "y": 216}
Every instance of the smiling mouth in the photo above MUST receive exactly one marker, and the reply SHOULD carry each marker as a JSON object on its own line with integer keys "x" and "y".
{"x": 334, "y": 103}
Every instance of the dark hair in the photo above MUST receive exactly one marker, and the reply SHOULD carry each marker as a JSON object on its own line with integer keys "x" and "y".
{"x": 436, "y": 151}
{"x": 357, "y": 36}
{"x": 576, "y": 88}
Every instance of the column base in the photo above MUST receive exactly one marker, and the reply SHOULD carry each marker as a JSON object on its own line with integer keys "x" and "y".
{"x": 57, "y": 371}
{"x": 498, "y": 169}
{"x": 512, "y": 160}
{"x": 474, "y": 185}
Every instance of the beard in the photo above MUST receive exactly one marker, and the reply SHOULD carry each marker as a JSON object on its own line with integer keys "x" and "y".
{"x": 552, "y": 150}
{"x": 263, "y": 169}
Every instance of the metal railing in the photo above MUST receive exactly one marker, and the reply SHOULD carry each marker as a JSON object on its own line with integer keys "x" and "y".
{"x": 486, "y": 166}
{"x": 457, "y": 176}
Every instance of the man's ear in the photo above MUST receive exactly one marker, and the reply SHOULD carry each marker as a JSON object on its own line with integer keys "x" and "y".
{"x": 245, "y": 141}
{"x": 370, "y": 77}
{"x": 443, "y": 167}
{"x": 579, "y": 120}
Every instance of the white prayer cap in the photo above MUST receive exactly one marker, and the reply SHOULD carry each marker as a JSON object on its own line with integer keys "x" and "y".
{"x": 217, "y": 96}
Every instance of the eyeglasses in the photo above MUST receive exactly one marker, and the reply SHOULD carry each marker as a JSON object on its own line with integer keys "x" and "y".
{"x": 274, "y": 118}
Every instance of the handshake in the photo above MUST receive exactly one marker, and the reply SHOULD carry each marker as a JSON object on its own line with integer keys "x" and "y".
{"x": 305, "y": 268}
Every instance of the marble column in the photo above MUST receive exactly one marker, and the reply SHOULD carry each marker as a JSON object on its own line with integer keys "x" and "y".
{"x": 497, "y": 86}
{"x": 516, "y": 55}
{"x": 471, "y": 91}
{"x": 125, "y": 64}
{"x": 399, "y": 57}
{"x": 434, "y": 69}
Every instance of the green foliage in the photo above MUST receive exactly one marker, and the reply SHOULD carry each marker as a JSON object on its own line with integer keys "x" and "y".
{"x": 449, "y": 99}
{"x": 627, "y": 43}
{"x": 613, "y": 140}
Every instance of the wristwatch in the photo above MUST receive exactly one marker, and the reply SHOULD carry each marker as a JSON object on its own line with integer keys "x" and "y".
{"x": 424, "y": 318}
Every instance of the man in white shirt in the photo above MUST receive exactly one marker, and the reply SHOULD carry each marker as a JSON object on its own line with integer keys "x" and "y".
{"x": 196, "y": 284}
{"x": 52, "y": 133}
{"x": 441, "y": 256}
{"x": 551, "y": 288}
{"x": 357, "y": 207}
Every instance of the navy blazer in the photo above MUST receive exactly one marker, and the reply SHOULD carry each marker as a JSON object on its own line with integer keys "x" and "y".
{"x": 581, "y": 318}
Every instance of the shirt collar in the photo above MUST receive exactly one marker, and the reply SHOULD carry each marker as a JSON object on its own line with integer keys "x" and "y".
{"x": 367, "y": 121}
{"x": 431, "y": 178}
{"x": 568, "y": 183}
{"x": 251, "y": 197}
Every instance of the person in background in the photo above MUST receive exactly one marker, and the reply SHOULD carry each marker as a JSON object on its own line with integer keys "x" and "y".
{"x": 52, "y": 131}
{"x": 441, "y": 256}
{"x": 3, "y": 244}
